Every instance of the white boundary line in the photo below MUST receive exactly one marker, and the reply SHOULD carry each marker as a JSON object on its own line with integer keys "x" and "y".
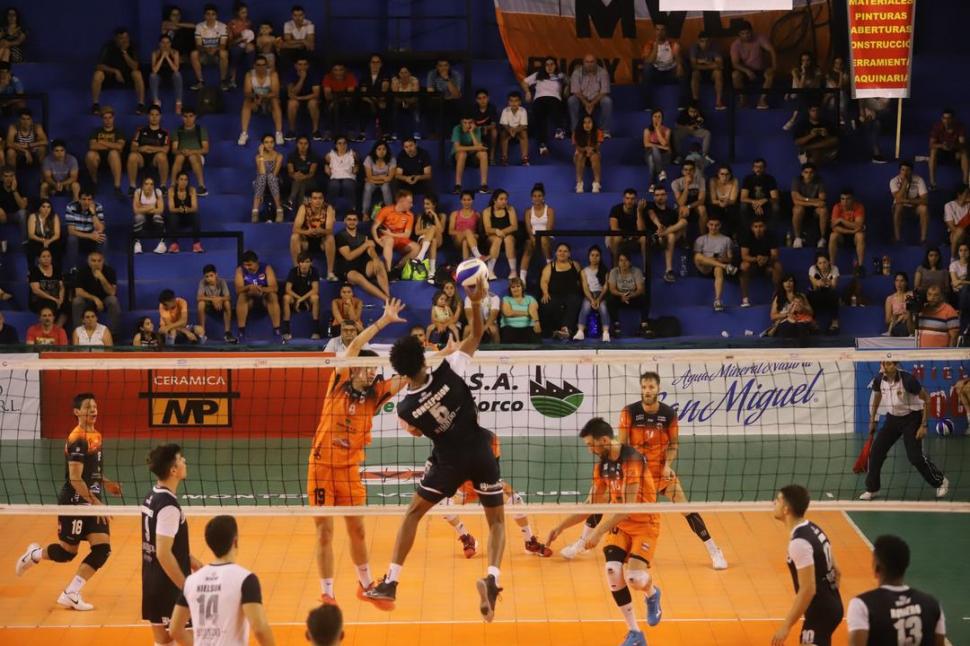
{"x": 862, "y": 535}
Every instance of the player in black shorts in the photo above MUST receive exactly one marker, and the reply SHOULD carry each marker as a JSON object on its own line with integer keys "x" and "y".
{"x": 894, "y": 614}
{"x": 84, "y": 482}
{"x": 165, "y": 541}
{"x": 813, "y": 572}
{"x": 439, "y": 405}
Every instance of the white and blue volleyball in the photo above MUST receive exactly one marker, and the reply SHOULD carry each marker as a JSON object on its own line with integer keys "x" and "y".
{"x": 470, "y": 271}
{"x": 944, "y": 427}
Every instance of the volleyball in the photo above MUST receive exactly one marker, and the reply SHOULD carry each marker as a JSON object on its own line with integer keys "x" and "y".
{"x": 944, "y": 427}
{"x": 470, "y": 271}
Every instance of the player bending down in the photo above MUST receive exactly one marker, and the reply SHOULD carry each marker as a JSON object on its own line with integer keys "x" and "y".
{"x": 84, "y": 481}
{"x": 439, "y": 405}
{"x": 466, "y": 494}
{"x": 621, "y": 475}
{"x": 651, "y": 427}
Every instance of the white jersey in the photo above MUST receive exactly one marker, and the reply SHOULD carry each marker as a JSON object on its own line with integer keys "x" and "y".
{"x": 215, "y": 595}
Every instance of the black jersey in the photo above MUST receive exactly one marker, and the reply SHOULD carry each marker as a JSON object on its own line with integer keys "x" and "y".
{"x": 84, "y": 447}
{"x": 897, "y": 616}
{"x": 158, "y": 591}
{"x": 810, "y": 546}
{"x": 146, "y": 136}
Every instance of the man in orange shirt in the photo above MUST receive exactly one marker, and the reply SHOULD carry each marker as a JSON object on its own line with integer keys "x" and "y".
{"x": 392, "y": 230}
{"x": 173, "y": 319}
{"x": 622, "y": 476}
{"x": 849, "y": 220}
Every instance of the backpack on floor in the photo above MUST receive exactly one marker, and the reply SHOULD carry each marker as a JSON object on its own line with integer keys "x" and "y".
{"x": 210, "y": 100}
{"x": 665, "y": 326}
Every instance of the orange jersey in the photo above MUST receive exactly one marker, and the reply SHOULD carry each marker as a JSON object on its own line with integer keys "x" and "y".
{"x": 394, "y": 220}
{"x": 650, "y": 432}
{"x": 616, "y": 476}
{"x": 347, "y": 417}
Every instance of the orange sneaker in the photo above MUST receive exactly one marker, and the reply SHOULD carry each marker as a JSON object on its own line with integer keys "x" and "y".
{"x": 533, "y": 546}
{"x": 380, "y": 604}
{"x": 327, "y": 600}
{"x": 468, "y": 545}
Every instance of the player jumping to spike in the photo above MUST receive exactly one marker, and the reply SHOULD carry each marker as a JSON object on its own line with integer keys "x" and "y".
{"x": 84, "y": 481}
{"x": 622, "y": 475}
{"x": 439, "y": 405}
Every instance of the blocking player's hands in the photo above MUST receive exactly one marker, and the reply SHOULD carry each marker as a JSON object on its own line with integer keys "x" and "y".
{"x": 451, "y": 347}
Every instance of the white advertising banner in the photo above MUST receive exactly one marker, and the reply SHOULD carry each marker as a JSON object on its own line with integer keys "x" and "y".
{"x": 19, "y": 401}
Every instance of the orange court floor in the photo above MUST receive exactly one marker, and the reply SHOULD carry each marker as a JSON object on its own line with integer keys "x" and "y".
{"x": 545, "y": 601}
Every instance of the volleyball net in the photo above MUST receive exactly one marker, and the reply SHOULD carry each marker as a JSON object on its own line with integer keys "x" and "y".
{"x": 750, "y": 421}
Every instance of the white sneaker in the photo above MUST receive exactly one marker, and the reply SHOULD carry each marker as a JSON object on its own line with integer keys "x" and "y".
{"x": 868, "y": 495}
{"x": 730, "y": 270}
{"x": 821, "y": 243}
{"x": 573, "y": 550}
{"x": 745, "y": 302}
{"x": 243, "y": 138}
{"x": 73, "y": 601}
{"x": 579, "y": 336}
{"x": 606, "y": 335}
{"x": 596, "y": 187}
{"x": 137, "y": 246}
{"x": 717, "y": 560}
{"x": 160, "y": 247}
{"x": 797, "y": 243}
{"x": 943, "y": 489}
{"x": 662, "y": 176}
{"x": 26, "y": 560}
{"x": 802, "y": 158}
{"x": 579, "y": 187}
{"x": 279, "y": 138}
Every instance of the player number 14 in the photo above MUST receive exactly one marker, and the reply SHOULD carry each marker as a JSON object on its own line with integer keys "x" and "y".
{"x": 208, "y": 608}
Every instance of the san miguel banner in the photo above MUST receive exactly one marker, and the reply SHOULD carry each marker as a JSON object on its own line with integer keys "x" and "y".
{"x": 881, "y": 47}
{"x": 616, "y": 31}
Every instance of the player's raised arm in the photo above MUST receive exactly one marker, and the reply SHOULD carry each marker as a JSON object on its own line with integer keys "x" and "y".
{"x": 477, "y": 326}
{"x": 392, "y": 314}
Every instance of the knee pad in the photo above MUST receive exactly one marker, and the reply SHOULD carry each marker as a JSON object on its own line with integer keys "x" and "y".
{"x": 614, "y": 554}
{"x": 614, "y": 575}
{"x": 98, "y": 556}
{"x": 638, "y": 579}
{"x": 594, "y": 520}
{"x": 516, "y": 499}
{"x": 58, "y": 554}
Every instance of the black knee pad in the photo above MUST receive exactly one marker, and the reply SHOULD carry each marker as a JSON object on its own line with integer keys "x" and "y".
{"x": 58, "y": 554}
{"x": 98, "y": 556}
{"x": 594, "y": 520}
{"x": 614, "y": 553}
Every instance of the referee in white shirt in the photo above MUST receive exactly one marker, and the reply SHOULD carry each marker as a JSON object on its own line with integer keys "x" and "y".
{"x": 908, "y": 405}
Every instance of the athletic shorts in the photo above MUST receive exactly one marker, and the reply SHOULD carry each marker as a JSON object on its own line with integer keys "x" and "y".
{"x": 821, "y": 620}
{"x": 401, "y": 244}
{"x": 331, "y": 486}
{"x": 665, "y": 486}
{"x": 74, "y": 529}
{"x": 157, "y": 602}
{"x": 637, "y": 546}
{"x": 444, "y": 475}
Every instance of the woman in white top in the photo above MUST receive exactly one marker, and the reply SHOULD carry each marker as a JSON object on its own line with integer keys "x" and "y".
{"x": 824, "y": 296}
{"x": 269, "y": 162}
{"x": 594, "y": 291}
{"x": 90, "y": 332}
{"x": 538, "y": 217}
{"x": 148, "y": 204}
{"x": 960, "y": 282}
{"x": 550, "y": 86}
{"x": 261, "y": 93}
{"x": 379, "y": 167}
{"x": 341, "y": 166}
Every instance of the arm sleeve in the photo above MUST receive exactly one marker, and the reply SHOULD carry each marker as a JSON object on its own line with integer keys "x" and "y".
{"x": 77, "y": 450}
{"x": 167, "y": 522}
{"x": 800, "y": 552}
{"x": 857, "y": 617}
{"x": 250, "y": 590}
{"x": 459, "y": 362}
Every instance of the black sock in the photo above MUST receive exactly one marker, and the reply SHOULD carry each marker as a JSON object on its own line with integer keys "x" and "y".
{"x": 697, "y": 524}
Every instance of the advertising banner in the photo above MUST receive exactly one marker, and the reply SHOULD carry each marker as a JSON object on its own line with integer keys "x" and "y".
{"x": 19, "y": 401}
{"x": 881, "y": 47}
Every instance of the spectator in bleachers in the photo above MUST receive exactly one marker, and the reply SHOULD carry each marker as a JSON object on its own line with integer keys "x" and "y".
{"x": 824, "y": 295}
{"x": 753, "y": 58}
{"x": 10, "y": 87}
{"x": 713, "y": 256}
{"x": 191, "y": 143}
{"x": 627, "y": 219}
{"x": 956, "y": 217}
{"x": 932, "y": 273}
{"x": 341, "y": 166}
{"x": 808, "y": 196}
{"x": 704, "y": 59}
{"x": 173, "y": 320}
{"x": 594, "y": 295}
{"x": 166, "y": 62}
{"x": 241, "y": 40}
{"x": 91, "y": 332}
{"x": 500, "y": 223}
{"x": 313, "y": 226}
{"x": 301, "y": 293}
{"x": 256, "y": 285}
{"x": 514, "y": 124}
{"x": 211, "y": 47}
{"x": 520, "y": 315}
{"x": 960, "y": 282}
{"x": 486, "y": 120}
{"x": 118, "y": 67}
{"x": 837, "y": 78}
{"x": 47, "y": 287}
{"x": 339, "y": 98}
{"x": 759, "y": 255}
{"x": 346, "y": 335}
{"x": 358, "y": 262}
{"x": 489, "y": 309}
{"x": 13, "y": 205}
{"x": 690, "y": 125}
{"x": 429, "y": 227}
{"x": 817, "y": 140}
{"x": 690, "y": 194}
{"x": 346, "y": 308}
{"x": 405, "y": 108}
{"x": 848, "y": 225}
{"x": 663, "y": 63}
{"x": 657, "y": 147}
{"x": 149, "y": 146}
{"x": 269, "y": 162}
{"x": 298, "y": 36}
{"x": 948, "y": 143}
{"x": 301, "y": 167}
{"x": 586, "y": 143}
{"x": 441, "y": 328}
{"x": 26, "y": 141}
{"x": 937, "y": 324}
{"x": 213, "y": 296}
{"x": 445, "y": 84}
{"x": 183, "y": 209}
{"x": 562, "y": 294}
{"x": 450, "y": 288}
{"x": 374, "y": 85}
{"x": 875, "y": 117}
{"x": 379, "y": 170}
{"x": 12, "y": 37}
{"x": 105, "y": 145}
{"x": 148, "y": 207}
{"x": 468, "y": 146}
{"x": 723, "y": 191}
{"x": 898, "y": 320}
{"x": 538, "y": 217}
{"x": 145, "y": 335}
{"x": 261, "y": 94}
{"x": 8, "y": 333}
{"x": 181, "y": 32}
{"x": 45, "y": 331}
{"x": 413, "y": 169}
{"x": 463, "y": 226}
{"x": 550, "y": 87}
{"x": 909, "y": 192}
{"x": 59, "y": 173}
{"x": 759, "y": 195}
{"x": 44, "y": 232}
{"x": 626, "y": 288}
{"x": 392, "y": 229}
{"x": 669, "y": 227}
{"x": 589, "y": 85}
{"x": 302, "y": 92}
{"x": 96, "y": 285}
{"x": 807, "y": 75}
{"x": 85, "y": 227}
{"x": 791, "y": 313}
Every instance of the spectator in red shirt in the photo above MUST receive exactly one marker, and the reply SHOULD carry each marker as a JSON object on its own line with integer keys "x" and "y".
{"x": 848, "y": 223}
{"x": 44, "y": 332}
{"x": 339, "y": 99}
{"x": 948, "y": 142}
